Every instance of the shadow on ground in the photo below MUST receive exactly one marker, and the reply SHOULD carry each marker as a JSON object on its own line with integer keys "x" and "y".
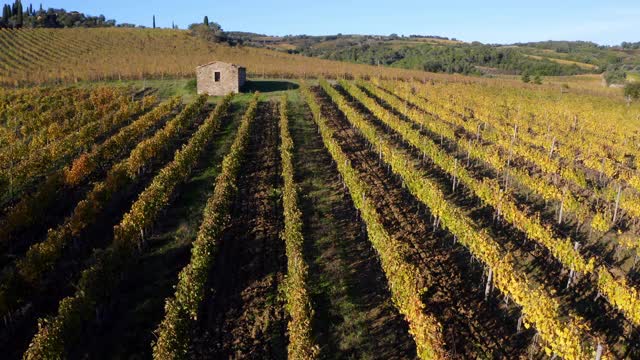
{"x": 265, "y": 86}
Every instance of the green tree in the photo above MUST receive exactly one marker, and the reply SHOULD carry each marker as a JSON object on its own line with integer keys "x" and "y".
{"x": 206, "y": 20}
{"x": 526, "y": 78}
{"x": 537, "y": 80}
{"x": 154, "y": 21}
{"x": 20, "y": 14}
{"x": 632, "y": 90}
{"x": 614, "y": 75}
{"x": 6, "y": 14}
{"x": 213, "y": 32}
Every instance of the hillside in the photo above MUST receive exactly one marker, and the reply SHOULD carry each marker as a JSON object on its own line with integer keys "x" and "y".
{"x": 68, "y": 56}
{"x": 415, "y": 52}
{"x": 441, "y": 54}
{"x": 37, "y": 56}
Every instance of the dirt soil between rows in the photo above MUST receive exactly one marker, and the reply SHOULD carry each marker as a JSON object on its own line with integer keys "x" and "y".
{"x": 473, "y": 327}
{"x": 244, "y": 317}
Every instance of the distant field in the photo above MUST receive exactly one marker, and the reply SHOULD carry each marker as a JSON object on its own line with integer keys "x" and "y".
{"x": 284, "y": 46}
{"x": 633, "y": 76}
{"x": 349, "y": 40}
{"x": 420, "y": 41}
{"x": 563, "y": 61}
{"x": 591, "y": 84}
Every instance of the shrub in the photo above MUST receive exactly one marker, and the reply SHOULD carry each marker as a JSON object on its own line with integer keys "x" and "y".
{"x": 632, "y": 90}
{"x": 191, "y": 86}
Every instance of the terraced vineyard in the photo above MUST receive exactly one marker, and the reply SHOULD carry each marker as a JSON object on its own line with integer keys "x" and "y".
{"x": 338, "y": 220}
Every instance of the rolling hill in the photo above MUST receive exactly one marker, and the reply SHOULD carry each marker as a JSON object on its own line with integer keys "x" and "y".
{"x": 38, "y": 56}
{"x": 441, "y": 54}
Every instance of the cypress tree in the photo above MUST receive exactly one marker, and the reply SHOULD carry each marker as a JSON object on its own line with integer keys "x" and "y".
{"x": 154, "y": 21}
{"x": 6, "y": 13}
{"x": 206, "y": 21}
{"x": 20, "y": 15}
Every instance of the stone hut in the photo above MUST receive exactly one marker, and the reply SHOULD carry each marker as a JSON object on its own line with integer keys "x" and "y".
{"x": 218, "y": 78}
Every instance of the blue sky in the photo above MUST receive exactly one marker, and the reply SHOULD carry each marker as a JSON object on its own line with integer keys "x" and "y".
{"x": 604, "y": 21}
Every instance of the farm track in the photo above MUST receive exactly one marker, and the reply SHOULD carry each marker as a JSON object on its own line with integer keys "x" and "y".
{"x": 245, "y": 316}
{"x": 354, "y": 314}
{"x": 472, "y": 327}
{"x": 61, "y": 282}
{"x": 536, "y": 261}
{"x": 140, "y": 307}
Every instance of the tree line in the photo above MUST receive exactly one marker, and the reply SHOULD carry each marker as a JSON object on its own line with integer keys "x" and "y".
{"x": 458, "y": 58}
{"x": 17, "y": 15}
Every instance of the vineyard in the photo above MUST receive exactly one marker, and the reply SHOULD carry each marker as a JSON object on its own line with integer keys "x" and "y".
{"x": 349, "y": 218}
{"x": 80, "y": 55}
{"x": 42, "y": 56}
